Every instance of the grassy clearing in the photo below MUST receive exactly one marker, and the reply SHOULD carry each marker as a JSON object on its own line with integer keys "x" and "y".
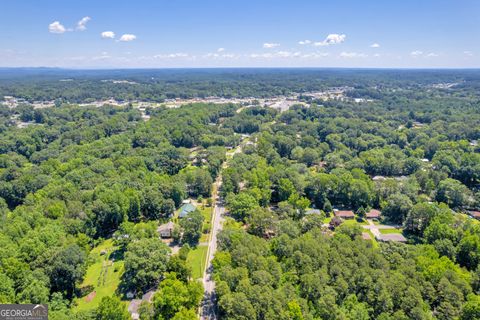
{"x": 390, "y": 231}
{"x": 103, "y": 275}
{"x": 196, "y": 259}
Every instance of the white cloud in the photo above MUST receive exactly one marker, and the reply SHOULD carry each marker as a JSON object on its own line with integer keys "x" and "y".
{"x": 304, "y": 42}
{"x": 352, "y": 55}
{"x": 220, "y": 55}
{"x": 376, "y": 55}
{"x": 127, "y": 37}
{"x": 375, "y": 45}
{"x": 278, "y": 54}
{"x": 416, "y": 53}
{"x": 56, "y": 27}
{"x": 268, "y": 45}
{"x": 103, "y": 56}
{"x": 432, "y": 55}
{"x": 316, "y": 55}
{"x": 468, "y": 53}
{"x": 82, "y": 24}
{"x": 220, "y": 49}
{"x": 331, "y": 39}
{"x": 108, "y": 34}
{"x": 171, "y": 55}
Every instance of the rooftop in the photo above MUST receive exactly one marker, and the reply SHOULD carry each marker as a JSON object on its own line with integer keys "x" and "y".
{"x": 374, "y": 213}
{"x": 186, "y": 209}
{"x": 474, "y": 214}
{"x": 166, "y": 226}
{"x": 344, "y": 214}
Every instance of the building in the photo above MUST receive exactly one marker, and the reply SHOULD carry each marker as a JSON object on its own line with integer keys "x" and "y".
{"x": 373, "y": 214}
{"x": 344, "y": 214}
{"x": 135, "y": 304}
{"x": 186, "y": 209}
{"x": 474, "y": 214}
{"x": 395, "y": 237}
{"x": 166, "y": 230}
{"x": 335, "y": 222}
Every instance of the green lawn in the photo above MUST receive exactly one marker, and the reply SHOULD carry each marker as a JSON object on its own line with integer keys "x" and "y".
{"x": 101, "y": 275}
{"x": 196, "y": 259}
{"x": 389, "y": 231}
{"x": 374, "y": 241}
{"x": 350, "y": 222}
{"x": 207, "y": 223}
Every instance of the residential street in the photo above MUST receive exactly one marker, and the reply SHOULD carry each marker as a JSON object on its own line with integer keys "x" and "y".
{"x": 207, "y": 309}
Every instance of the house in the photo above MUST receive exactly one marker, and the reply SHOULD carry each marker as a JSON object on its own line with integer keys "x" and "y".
{"x": 186, "y": 209}
{"x": 312, "y": 211}
{"x": 166, "y": 230}
{"x": 344, "y": 214}
{"x": 395, "y": 237}
{"x": 135, "y": 304}
{"x": 133, "y": 308}
{"x": 373, "y": 214}
{"x": 335, "y": 222}
{"x": 474, "y": 214}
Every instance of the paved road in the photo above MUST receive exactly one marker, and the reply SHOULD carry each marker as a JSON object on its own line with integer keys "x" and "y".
{"x": 208, "y": 307}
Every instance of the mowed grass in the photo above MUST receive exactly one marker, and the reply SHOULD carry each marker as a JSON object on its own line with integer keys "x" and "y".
{"x": 101, "y": 275}
{"x": 390, "y": 231}
{"x": 207, "y": 222}
{"x": 196, "y": 259}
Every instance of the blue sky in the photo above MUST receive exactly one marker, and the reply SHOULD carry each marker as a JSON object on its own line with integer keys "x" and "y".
{"x": 246, "y": 33}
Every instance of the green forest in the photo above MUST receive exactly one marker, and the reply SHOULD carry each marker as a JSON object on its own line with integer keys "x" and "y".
{"x": 84, "y": 189}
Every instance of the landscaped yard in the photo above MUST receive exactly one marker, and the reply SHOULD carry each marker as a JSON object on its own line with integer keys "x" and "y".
{"x": 196, "y": 260}
{"x": 389, "y": 231}
{"x": 103, "y": 276}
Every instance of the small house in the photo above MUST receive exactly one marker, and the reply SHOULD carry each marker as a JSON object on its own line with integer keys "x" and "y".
{"x": 166, "y": 230}
{"x": 474, "y": 214}
{"x": 373, "y": 214}
{"x": 335, "y": 222}
{"x": 186, "y": 209}
{"x": 344, "y": 214}
{"x": 134, "y": 304}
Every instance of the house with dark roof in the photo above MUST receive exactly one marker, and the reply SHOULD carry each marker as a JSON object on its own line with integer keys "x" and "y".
{"x": 373, "y": 214}
{"x": 186, "y": 209}
{"x": 344, "y": 214}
